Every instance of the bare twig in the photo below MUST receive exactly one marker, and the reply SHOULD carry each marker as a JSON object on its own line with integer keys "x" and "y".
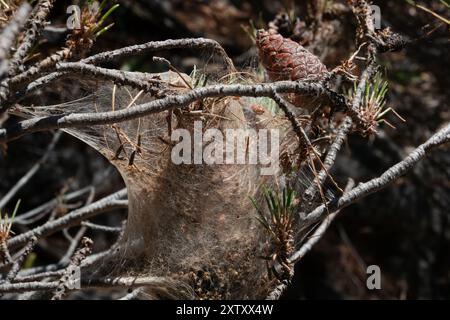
{"x": 393, "y": 173}
{"x": 28, "y": 286}
{"x": 168, "y": 103}
{"x": 436, "y": 15}
{"x": 39, "y": 83}
{"x": 75, "y": 262}
{"x": 381, "y": 41}
{"x": 98, "y": 227}
{"x": 197, "y": 43}
{"x": 123, "y": 282}
{"x": 49, "y": 64}
{"x": 330, "y": 158}
{"x": 72, "y": 247}
{"x": 37, "y": 213}
{"x": 37, "y": 276}
{"x": 37, "y": 23}
{"x": 34, "y": 26}
{"x": 295, "y": 125}
{"x": 310, "y": 193}
{"x": 9, "y": 36}
{"x": 305, "y": 143}
{"x": 5, "y": 256}
{"x": 318, "y": 233}
{"x": 276, "y": 293}
{"x": 127, "y": 281}
{"x": 117, "y": 76}
{"x": 56, "y": 269}
{"x": 72, "y": 218}
{"x": 27, "y": 177}
{"x": 36, "y": 71}
{"x": 17, "y": 264}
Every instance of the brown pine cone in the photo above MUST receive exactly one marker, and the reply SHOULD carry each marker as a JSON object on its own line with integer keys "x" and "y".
{"x": 285, "y": 59}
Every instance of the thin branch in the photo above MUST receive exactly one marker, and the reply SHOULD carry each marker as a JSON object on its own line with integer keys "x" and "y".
{"x": 98, "y": 227}
{"x": 5, "y": 256}
{"x": 37, "y": 276}
{"x": 168, "y": 103}
{"x": 56, "y": 269}
{"x": 110, "y": 56}
{"x": 72, "y": 247}
{"x": 276, "y": 293}
{"x": 27, "y": 177}
{"x": 119, "y": 77}
{"x": 37, "y": 23}
{"x": 65, "y": 281}
{"x": 438, "y": 16}
{"x": 17, "y": 264}
{"x": 343, "y": 130}
{"x": 34, "y": 72}
{"x": 381, "y": 41}
{"x": 318, "y": 233}
{"x": 28, "y": 286}
{"x": 310, "y": 193}
{"x": 10, "y": 34}
{"x": 198, "y": 43}
{"x": 127, "y": 281}
{"x": 37, "y": 213}
{"x": 295, "y": 125}
{"x": 392, "y": 174}
{"x": 73, "y": 218}
{"x": 119, "y": 282}
{"x": 103, "y": 57}
{"x": 6, "y": 101}
{"x": 304, "y": 143}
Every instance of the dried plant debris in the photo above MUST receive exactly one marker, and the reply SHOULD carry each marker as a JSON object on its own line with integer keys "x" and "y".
{"x": 7, "y": 9}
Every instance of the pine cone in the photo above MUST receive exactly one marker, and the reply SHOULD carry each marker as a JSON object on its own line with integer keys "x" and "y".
{"x": 285, "y": 59}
